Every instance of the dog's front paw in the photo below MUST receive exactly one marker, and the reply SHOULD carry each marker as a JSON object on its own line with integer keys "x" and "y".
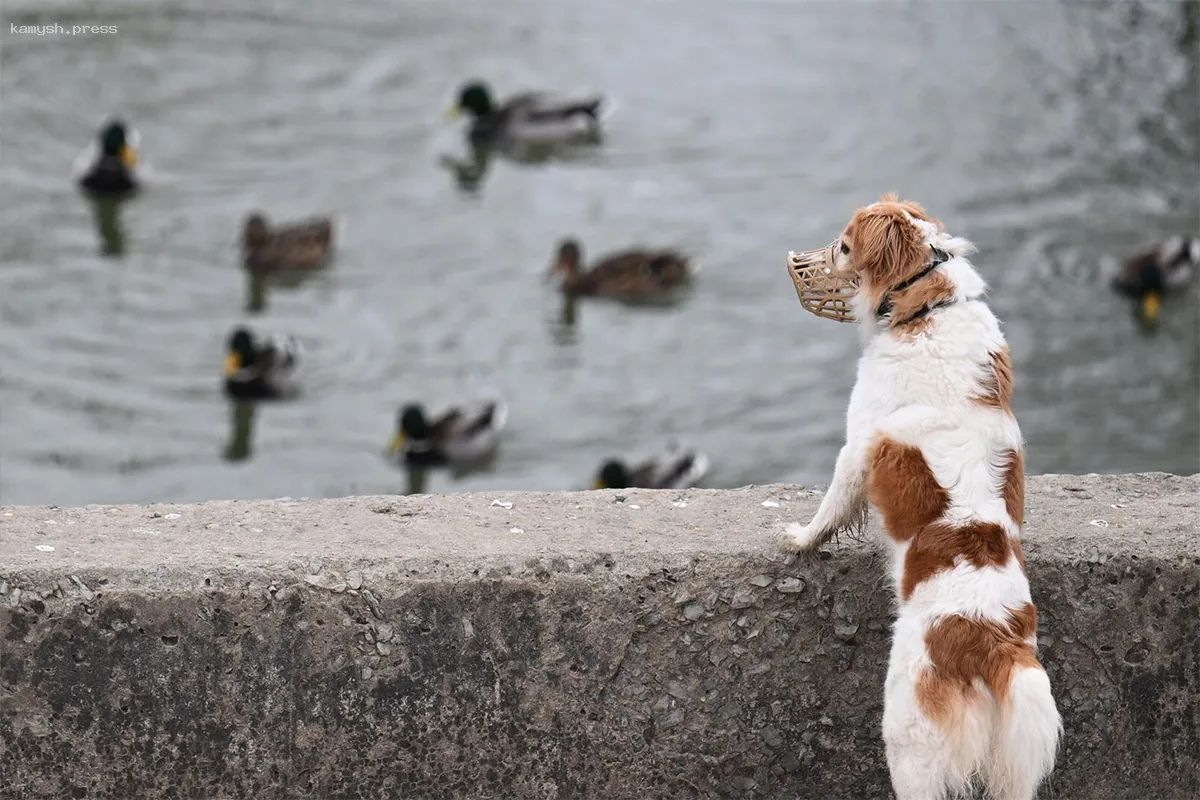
{"x": 800, "y": 538}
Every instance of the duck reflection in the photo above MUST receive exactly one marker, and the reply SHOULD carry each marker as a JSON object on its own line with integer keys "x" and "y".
{"x": 1190, "y": 29}
{"x": 468, "y": 172}
{"x": 106, "y": 213}
{"x": 241, "y": 416}
{"x": 256, "y": 292}
{"x": 417, "y": 480}
{"x": 563, "y": 328}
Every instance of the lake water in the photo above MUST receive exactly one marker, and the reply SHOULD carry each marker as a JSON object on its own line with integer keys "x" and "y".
{"x": 1055, "y": 136}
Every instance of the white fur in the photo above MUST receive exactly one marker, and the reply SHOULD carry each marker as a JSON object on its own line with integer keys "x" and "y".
{"x": 917, "y": 391}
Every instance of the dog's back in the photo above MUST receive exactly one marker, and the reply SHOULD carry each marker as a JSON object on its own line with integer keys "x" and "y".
{"x": 966, "y": 696}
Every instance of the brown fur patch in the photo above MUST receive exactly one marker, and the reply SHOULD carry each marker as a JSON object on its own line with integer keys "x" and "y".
{"x": 926, "y": 292}
{"x": 1014, "y": 486}
{"x": 1018, "y": 551}
{"x": 903, "y": 487}
{"x": 912, "y": 503}
{"x": 940, "y": 547}
{"x": 944, "y": 701}
{"x": 998, "y": 383}
{"x": 963, "y": 650}
{"x": 886, "y": 248}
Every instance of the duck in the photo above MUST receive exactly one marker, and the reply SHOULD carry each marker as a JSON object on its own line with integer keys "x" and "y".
{"x": 108, "y": 166}
{"x": 1152, "y": 273}
{"x": 461, "y": 437}
{"x": 304, "y": 245}
{"x": 675, "y": 468}
{"x": 262, "y": 370}
{"x": 526, "y": 118}
{"x": 633, "y": 273}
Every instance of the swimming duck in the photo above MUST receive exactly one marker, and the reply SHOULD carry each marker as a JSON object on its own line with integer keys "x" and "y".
{"x": 630, "y": 273}
{"x": 108, "y": 166}
{"x": 303, "y": 245}
{"x": 675, "y": 468}
{"x": 460, "y": 437}
{"x": 1152, "y": 273}
{"x": 265, "y": 370}
{"x": 529, "y": 117}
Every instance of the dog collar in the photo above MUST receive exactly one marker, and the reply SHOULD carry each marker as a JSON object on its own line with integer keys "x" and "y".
{"x": 885, "y": 307}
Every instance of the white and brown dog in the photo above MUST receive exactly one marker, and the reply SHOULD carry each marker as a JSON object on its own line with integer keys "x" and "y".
{"x": 932, "y": 444}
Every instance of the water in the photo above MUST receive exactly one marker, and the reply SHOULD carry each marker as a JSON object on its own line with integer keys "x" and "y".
{"x": 1054, "y": 136}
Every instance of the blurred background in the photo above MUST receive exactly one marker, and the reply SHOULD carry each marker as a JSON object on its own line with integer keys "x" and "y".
{"x": 1060, "y": 138}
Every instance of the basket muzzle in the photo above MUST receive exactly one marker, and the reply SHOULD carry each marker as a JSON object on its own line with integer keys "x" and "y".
{"x": 820, "y": 289}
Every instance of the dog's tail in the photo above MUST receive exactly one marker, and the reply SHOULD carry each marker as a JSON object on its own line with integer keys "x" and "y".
{"x": 1025, "y": 739}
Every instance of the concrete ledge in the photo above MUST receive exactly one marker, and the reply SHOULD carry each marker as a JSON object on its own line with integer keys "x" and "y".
{"x": 571, "y": 645}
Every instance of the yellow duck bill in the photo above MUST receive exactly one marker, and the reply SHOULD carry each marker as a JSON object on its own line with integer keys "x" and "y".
{"x": 1151, "y": 305}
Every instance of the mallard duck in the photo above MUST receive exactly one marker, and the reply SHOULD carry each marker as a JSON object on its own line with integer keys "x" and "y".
{"x": 529, "y": 117}
{"x": 675, "y": 468}
{"x": 1152, "y": 273}
{"x": 460, "y": 437}
{"x": 630, "y": 273}
{"x": 303, "y": 245}
{"x": 108, "y": 166}
{"x": 265, "y": 370}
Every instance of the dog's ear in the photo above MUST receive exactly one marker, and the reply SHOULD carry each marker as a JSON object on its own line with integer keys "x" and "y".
{"x": 913, "y": 208}
{"x": 918, "y": 212}
{"x": 887, "y": 247}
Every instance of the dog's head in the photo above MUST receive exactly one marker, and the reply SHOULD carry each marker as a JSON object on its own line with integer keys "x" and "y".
{"x": 885, "y": 244}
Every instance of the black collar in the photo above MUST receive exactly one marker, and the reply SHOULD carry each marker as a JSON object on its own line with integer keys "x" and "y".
{"x": 885, "y": 306}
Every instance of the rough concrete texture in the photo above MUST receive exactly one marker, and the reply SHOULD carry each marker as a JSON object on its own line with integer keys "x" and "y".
{"x": 612, "y": 644}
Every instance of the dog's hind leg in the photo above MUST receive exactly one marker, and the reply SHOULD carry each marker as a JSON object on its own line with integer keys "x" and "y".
{"x": 1026, "y": 739}
{"x": 916, "y": 750}
{"x": 935, "y": 731}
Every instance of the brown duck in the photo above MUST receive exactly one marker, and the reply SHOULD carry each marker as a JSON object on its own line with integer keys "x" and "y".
{"x": 633, "y": 273}
{"x": 301, "y": 246}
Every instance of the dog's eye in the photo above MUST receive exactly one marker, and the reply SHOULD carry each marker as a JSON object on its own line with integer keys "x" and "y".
{"x": 845, "y": 249}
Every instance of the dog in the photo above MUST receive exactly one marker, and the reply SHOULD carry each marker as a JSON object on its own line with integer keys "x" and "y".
{"x": 932, "y": 444}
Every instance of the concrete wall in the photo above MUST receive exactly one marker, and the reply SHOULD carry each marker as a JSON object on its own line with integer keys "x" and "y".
{"x": 619, "y": 645}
